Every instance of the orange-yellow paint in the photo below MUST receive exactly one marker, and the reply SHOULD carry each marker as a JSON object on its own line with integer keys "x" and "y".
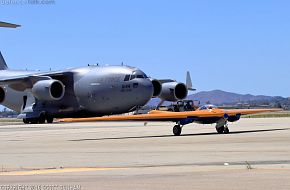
{"x": 166, "y": 115}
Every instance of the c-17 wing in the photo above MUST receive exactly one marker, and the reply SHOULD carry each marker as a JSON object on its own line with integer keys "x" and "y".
{"x": 171, "y": 116}
{"x": 23, "y": 82}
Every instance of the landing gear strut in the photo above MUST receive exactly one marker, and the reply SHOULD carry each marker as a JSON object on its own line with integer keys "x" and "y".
{"x": 177, "y": 130}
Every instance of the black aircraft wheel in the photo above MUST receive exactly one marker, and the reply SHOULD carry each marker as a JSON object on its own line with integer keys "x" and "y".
{"x": 33, "y": 120}
{"x": 220, "y": 130}
{"x": 226, "y": 130}
{"x": 49, "y": 119}
{"x": 177, "y": 130}
{"x": 26, "y": 121}
{"x": 41, "y": 119}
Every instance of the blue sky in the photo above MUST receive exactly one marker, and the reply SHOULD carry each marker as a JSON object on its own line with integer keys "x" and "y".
{"x": 235, "y": 45}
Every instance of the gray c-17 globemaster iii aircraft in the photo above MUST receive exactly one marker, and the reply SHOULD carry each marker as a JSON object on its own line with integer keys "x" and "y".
{"x": 82, "y": 92}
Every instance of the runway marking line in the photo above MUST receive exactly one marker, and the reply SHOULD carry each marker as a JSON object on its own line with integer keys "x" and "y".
{"x": 55, "y": 171}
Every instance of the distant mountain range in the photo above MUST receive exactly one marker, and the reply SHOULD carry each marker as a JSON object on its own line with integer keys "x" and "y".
{"x": 219, "y": 97}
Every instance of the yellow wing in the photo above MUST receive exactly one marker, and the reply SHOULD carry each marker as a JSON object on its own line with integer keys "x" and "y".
{"x": 156, "y": 115}
{"x": 249, "y": 111}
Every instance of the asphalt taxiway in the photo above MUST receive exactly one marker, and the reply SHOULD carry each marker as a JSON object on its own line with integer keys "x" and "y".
{"x": 129, "y": 155}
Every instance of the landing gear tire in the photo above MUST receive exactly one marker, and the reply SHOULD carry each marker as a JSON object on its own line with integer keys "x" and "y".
{"x": 177, "y": 130}
{"x": 49, "y": 119}
{"x": 34, "y": 120}
{"x": 41, "y": 119}
{"x": 226, "y": 130}
{"x": 220, "y": 130}
{"x": 25, "y": 121}
{"x": 223, "y": 130}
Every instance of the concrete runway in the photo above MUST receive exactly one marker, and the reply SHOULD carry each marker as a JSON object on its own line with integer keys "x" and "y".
{"x": 122, "y": 155}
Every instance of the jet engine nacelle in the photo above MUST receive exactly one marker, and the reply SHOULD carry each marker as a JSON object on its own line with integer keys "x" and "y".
{"x": 234, "y": 118}
{"x": 157, "y": 87}
{"x": 173, "y": 91}
{"x": 2, "y": 94}
{"x": 48, "y": 90}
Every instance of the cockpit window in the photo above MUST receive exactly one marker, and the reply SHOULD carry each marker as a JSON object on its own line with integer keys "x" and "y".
{"x": 127, "y": 78}
{"x": 205, "y": 107}
{"x": 140, "y": 76}
{"x": 136, "y": 74}
{"x": 202, "y": 108}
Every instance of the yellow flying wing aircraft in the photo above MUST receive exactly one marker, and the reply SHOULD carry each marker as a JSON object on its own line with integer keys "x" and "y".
{"x": 207, "y": 114}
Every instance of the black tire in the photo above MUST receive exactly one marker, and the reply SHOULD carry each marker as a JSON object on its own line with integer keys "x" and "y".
{"x": 26, "y": 121}
{"x": 34, "y": 120}
{"x": 49, "y": 119}
{"x": 41, "y": 119}
{"x": 177, "y": 130}
{"x": 226, "y": 130}
{"x": 220, "y": 130}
